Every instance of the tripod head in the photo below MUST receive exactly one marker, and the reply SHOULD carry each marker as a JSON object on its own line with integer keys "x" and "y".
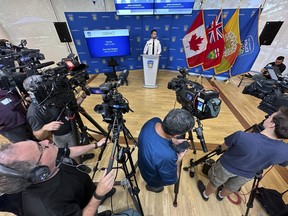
{"x": 217, "y": 151}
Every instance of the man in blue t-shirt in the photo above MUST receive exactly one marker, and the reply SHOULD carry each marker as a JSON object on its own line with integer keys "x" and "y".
{"x": 246, "y": 154}
{"x": 157, "y": 159}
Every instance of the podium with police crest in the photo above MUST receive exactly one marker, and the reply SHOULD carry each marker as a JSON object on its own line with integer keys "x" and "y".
{"x": 150, "y": 66}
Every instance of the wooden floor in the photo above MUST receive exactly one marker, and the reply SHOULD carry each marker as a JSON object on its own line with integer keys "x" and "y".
{"x": 238, "y": 112}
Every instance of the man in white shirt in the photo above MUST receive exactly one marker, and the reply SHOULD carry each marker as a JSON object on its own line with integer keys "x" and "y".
{"x": 153, "y": 46}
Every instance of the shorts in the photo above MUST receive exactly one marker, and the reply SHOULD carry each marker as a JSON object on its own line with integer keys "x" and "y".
{"x": 66, "y": 140}
{"x": 218, "y": 176}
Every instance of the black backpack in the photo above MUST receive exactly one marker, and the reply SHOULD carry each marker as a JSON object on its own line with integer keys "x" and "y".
{"x": 272, "y": 201}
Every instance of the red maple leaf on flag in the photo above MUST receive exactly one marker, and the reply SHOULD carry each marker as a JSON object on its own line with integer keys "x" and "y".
{"x": 195, "y": 42}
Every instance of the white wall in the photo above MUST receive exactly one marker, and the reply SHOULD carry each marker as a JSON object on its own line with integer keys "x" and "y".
{"x": 33, "y": 20}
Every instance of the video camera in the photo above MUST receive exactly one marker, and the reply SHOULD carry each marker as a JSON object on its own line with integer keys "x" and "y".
{"x": 201, "y": 103}
{"x": 113, "y": 101}
{"x": 56, "y": 88}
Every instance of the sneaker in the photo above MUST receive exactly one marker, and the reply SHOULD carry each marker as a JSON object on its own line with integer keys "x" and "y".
{"x": 219, "y": 189}
{"x": 88, "y": 156}
{"x": 105, "y": 213}
{"x": 154, "y": 189}
{"x": 201, "y": 188}
{"x": 109, "y": 194}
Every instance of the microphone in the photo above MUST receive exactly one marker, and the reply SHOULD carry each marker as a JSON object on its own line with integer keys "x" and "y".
{"x": 45, "y": 64}
{"x": 122, "y": 77}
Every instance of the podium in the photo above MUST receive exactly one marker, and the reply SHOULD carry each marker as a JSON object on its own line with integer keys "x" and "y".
{"x": 150, "y": 66}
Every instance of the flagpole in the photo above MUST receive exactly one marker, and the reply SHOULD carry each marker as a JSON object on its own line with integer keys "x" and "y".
{"x": 200, "y": 74}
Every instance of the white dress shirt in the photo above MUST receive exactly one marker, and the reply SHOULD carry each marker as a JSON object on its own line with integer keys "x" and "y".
{"x": 149, "y": 45}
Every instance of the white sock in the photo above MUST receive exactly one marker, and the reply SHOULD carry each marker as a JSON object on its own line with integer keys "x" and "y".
{"x": 205, "y": 195}
{"x": 219, "y": 194}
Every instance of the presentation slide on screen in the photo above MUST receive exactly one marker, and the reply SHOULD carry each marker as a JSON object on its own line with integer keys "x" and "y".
{"x": 134, "y": 7}
{"x": 108, "y": 43}
{"x": 173, "y": 6}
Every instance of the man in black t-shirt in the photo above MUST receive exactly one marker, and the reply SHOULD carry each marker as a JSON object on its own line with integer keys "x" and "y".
{"x": 66, "y": 190}
{"x": 264, "y": 73}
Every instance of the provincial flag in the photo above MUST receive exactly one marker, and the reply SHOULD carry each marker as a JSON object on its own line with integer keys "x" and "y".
{"x": 232, "y": 43}
{"x": 195, "y": 42}
{"x": 215, "y": 46}
{"x": 250, "y": 45}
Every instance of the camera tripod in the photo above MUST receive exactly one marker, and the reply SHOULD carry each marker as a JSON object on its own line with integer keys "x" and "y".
{"x": 200, "y": 136}
{"x": 254, "y": 189}
{"x": 123, "y": 156}
{"x": 80, "y": 132}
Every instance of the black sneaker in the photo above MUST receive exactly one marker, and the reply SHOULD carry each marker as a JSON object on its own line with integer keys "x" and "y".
{"x": 154, "y": 189}
{"x": 109, "y": 194}
{"x": 88, "y": 156}
{"x": 105, "y": 213}
{"x": 201, "y": 188}
{"x": 217, "y": 193}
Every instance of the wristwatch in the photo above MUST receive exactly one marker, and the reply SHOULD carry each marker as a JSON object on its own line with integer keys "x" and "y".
{"x": 98, "y": 197}
{"x": 96, "y": 145}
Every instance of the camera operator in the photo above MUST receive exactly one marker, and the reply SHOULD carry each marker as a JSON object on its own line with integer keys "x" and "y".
{"x": 157, "y": 159}
{"x": 246, "y": 154}
{"x": 65, "y": 190}
{"x": 49, "y": 120}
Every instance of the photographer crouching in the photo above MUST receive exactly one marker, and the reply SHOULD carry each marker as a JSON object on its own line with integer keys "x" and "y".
{"x": 51, "y": 187}
{"x": 246, "y": 154}
{"x": 157, "y": 157}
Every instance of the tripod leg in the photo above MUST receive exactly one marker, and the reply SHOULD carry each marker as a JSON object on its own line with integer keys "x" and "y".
{"x": 190, "y": 137}
{"x": 176, "y": 186}
{"x": 89, "y": 118}
{"x": 241, "y": 81}
{"x": 254, "y": 189}
{"x": 84, "y": 136}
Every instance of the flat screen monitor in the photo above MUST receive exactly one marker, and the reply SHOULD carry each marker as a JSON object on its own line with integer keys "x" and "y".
{"x": 134, "y": 7}
{"x": 108, "y": 43}
{"x": 173, "y": 6}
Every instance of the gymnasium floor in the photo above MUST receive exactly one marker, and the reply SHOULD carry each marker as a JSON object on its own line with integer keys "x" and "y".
{"x": 238, "y": 112}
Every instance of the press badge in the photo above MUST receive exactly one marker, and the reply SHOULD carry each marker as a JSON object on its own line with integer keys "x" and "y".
{"x": 5, "y": 101}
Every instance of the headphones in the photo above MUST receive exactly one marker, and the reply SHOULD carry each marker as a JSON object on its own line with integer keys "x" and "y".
{"x": 38, "y": 174}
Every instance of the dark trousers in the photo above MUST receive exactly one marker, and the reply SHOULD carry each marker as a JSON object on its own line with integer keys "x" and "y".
{"x": 20, "y": 133}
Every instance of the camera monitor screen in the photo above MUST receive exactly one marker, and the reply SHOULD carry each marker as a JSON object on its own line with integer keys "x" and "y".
{"x": 134, "y": 7}
{"x": 173, "y": 6}
{"x": 108, "y": 43}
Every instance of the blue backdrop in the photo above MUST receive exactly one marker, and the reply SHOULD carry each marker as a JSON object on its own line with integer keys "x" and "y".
{"x": 170, "y": 30}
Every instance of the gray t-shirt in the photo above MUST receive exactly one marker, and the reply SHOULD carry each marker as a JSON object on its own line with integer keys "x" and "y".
{"x": 38, "y": 116}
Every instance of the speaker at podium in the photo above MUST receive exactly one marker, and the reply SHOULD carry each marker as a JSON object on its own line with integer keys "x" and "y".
{"x": 150, "y": 66}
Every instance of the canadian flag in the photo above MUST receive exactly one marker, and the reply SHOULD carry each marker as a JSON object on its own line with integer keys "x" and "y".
{"x": 195, "y": 42}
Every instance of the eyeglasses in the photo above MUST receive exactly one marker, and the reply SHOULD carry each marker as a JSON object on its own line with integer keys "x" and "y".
{"x": 41, "y": 148}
